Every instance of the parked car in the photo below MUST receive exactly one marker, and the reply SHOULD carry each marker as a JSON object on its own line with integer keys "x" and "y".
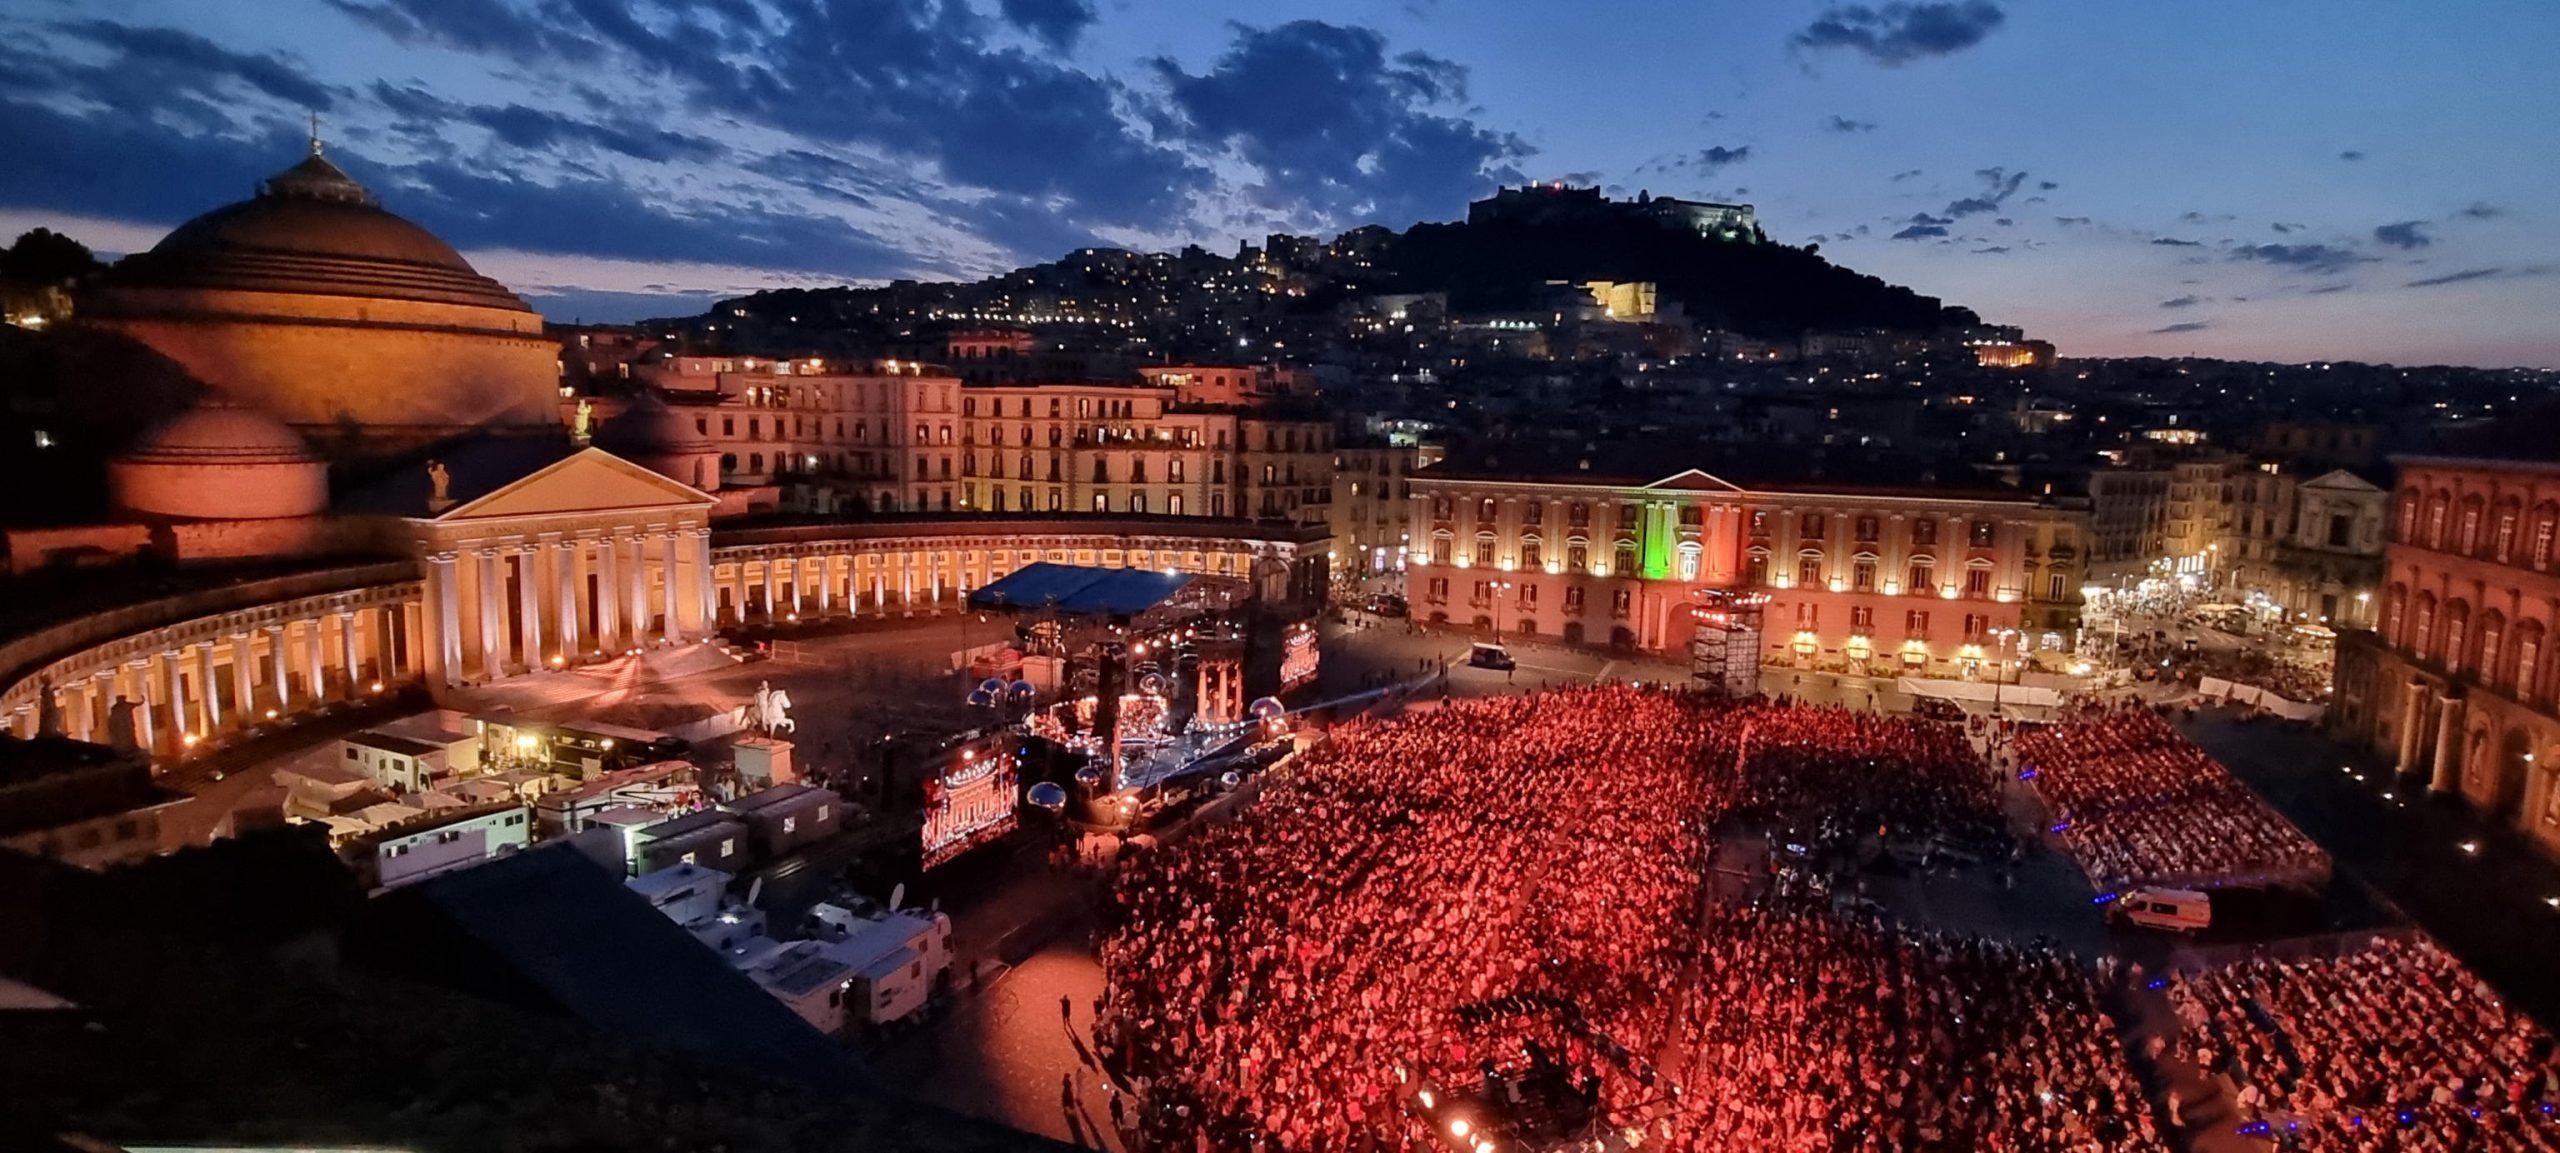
{"x": 1388, "y": 605}
{"x": 1486, "y": 655}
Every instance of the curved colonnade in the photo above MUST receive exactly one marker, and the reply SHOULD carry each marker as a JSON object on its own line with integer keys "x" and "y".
{"x": 208, "y": 666}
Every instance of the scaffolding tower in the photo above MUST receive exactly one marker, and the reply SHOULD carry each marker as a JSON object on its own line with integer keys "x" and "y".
{"x": 1724, "y": 653}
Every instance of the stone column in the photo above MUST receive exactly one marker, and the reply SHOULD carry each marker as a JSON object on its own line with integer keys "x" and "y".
{"x": 907, "y": 585}
{"x": 637, "y": 603}
{"x": 316, "y": 652}
{"x": 704, "y": 588}
{"x": 797, "y": 579}
{"x": 211, "y": 687}
{"x": 772, "y": 587}
{"x": 564, "y": 571}
{"x": 173, "y": 670}
{"x": 72, "y": 700}
{"x": 279, "y": 654}
{"x": 2448, "y": 774}
{"x": 244, "y": 679}
{"x": 673, "y": 630}
{"x": 145, "y": 732}
{"x": 442, "y": 619}
{"x": 529, "y": 605}
{"x": 494, "y": 658}
{"x": 608, "y": 599}
{"x": 826, "y": 584}
{"x": 2413, "y": 720}
{"x": 350, "y": 662}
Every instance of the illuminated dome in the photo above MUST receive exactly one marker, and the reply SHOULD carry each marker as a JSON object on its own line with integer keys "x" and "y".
{"x": 219, "y": 461}
{"x": 357, "y": 328}
{"x": 312, "y": 228}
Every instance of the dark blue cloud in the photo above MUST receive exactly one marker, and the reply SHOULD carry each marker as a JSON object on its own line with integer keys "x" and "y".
{"x": 1056, "y": 23}
{"x": 922, "y": 79}
{"x": 167, "y": 56}
{"x": 2304, "y": 257}
{"x": 2455, "y": 277}
{"x": 2351, "y": 154}
{"x": 1999, "y": 184}
{"x": 2187, "y": 301}
{"x": 2185, "y": 326}
{"x": 1336, "y": 130}
{"x": 1845, "y": 124}
{"x": 2174, "y": 242}
{"x": 1920, "y": 232}
{"x": 2404, "y": 234}
{"x": 1896, "y": 34}
{"x": 424, "y": 115}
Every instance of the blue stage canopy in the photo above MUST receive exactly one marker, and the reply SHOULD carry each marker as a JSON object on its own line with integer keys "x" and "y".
{"x": 1078, "y": 590}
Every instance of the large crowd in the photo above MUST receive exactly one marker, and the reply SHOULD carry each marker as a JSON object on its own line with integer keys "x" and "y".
{"x": 1378, "y": 920}
{"x": 2392, "y": 1047}
{"x": 2135, "y": 802}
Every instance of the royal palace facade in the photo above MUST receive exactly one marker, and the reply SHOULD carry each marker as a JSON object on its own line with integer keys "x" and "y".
{"x": 2456, "y": 682}
{"x": 1916, "y": 580}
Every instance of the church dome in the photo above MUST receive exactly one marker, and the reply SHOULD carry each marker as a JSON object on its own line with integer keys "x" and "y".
{"x": 313, "y": 229}
{"x": 219, "y": 461}
{"x": 219, "y": 430}
{"x": 647, "y": 426}
{"x": 658, "y": 438}
{"x": 360, "y": 330}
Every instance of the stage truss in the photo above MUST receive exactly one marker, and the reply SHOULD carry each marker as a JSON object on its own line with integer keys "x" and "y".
{"x": 1724, "y": 653}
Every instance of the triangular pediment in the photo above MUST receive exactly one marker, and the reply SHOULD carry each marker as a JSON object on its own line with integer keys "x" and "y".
{"x": 1695, "y": 480}
{"x": 2341, "y": 479}
{"x": 591, "y": 480}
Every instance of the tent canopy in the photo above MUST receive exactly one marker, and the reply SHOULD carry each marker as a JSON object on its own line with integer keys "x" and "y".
{"x": 1080, "y": 590}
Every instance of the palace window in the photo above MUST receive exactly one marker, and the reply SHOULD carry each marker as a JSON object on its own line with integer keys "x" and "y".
{"x": 1924, "y": 532}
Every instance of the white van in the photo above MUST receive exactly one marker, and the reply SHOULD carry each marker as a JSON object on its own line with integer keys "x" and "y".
{"x": 2175, "y": 910}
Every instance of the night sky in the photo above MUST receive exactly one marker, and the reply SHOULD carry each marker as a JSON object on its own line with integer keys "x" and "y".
{"x": 2366, "y": 179}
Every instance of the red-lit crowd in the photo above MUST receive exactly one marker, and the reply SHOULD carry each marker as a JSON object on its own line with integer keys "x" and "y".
{"x": 2392, "y": 1047}
{"x": 1290, "y": 979}
{"x": 2138, "y": 803}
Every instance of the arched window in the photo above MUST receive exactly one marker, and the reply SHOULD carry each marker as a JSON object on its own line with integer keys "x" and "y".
{"x": 1577, "y": 554}
{"x": 1529, "y": 553}
{"x": 1689, "y": 562}
{"x": 1809, "y": 568}
{"x": 2546, "y": 524}
{"x": 2502, "y": 535}
{"x": 2457, "y": 631}
{"x": 1484, "y": 549}
{"x": 2422, "y": 630}
{"x": 1862, "y": 572}
{"x": 1923, "y": 575}
{"x": 2437, "y": 506}
{"x": 1755, "y": 567}
{"x": 2468, "y": 540}
{"x": 1626, "y": 562}
{"x": 1441, "y": 547}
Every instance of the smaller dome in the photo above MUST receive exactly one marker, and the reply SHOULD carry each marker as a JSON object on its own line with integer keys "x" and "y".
{"x": 218, "y": 431}
{"x": 219, "y": 461}
{"x": 647, "y": 427}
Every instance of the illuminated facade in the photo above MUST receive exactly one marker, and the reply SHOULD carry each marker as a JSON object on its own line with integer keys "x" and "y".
{"x": 1945, "y": 583}
{"x": 2456, "y": 683}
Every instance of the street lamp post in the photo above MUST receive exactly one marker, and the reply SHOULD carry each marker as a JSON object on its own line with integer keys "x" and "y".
{"x": 1499, "y": 588}
{"x": 2001, "y": 639}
